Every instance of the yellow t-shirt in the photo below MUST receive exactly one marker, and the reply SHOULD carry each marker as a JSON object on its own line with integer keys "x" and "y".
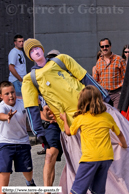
{"x": 95, "y": 137}
{"x": 58, "y": 88}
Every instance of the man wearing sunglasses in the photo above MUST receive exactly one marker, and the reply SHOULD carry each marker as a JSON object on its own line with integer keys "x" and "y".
{"x": 110, "y": 71}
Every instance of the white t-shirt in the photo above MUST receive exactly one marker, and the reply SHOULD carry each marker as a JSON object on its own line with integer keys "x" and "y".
{"x": 14, "y": 132}
{"x": 16, "y": 57}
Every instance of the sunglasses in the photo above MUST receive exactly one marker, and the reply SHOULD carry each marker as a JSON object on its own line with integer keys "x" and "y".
{"x": 126, "y": 51}
{"x": 106, "y": 46}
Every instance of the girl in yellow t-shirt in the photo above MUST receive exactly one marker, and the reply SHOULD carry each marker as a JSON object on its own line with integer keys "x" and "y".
{"x": 97, "y": 153}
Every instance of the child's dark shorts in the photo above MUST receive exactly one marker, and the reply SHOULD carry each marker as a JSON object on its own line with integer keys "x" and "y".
{"x": 19, "y": 153}
{"x": 52, "y": 135}
{"x": 91, "y": 175}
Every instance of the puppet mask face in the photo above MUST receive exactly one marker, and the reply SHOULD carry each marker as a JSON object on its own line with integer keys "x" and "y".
{"x": 37, "y": 54}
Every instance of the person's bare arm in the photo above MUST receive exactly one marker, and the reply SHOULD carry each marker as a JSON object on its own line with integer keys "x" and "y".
{"x": 14, "y": 72}
{"x": 47, "y": 114}
{"x": 7, "y": 117}
{"x": 64, "y": 118}
{"x": 122, "y": 142}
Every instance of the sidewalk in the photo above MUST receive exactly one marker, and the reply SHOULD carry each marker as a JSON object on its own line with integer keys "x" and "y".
{"x": 17, "y": 179}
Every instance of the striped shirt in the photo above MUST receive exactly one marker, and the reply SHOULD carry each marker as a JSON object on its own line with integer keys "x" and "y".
{"x": 110, "y": 76}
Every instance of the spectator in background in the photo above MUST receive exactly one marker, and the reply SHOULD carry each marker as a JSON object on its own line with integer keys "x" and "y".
{"x": 124, "y": 102}
{"x": 124, "y": 98}
{"x": 98, "y": 55}
{"x": 17, "y": 64}
{"x": 125, "y": 52}
{"x": 110, "y": 71}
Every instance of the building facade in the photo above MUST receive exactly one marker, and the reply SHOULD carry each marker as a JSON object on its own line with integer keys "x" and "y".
{"x": 72, "y": 27}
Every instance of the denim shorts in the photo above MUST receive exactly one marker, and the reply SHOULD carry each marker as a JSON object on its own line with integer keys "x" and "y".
{"x": 17, "y": 85}
{"x": 19, "y": 154}
{"x": 91, "y": 175}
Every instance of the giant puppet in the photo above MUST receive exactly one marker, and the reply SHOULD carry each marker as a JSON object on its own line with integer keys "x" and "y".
{"x": 60, "y": 91}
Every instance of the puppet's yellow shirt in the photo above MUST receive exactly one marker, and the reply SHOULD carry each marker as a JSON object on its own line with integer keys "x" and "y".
{"x": 58, "y": 88}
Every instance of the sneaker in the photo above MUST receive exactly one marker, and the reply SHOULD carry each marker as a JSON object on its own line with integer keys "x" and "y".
{"x": 30, "y": 183}
{"x": 41, "y": 152}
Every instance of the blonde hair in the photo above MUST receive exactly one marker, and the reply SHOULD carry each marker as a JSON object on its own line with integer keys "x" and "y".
{"x": 90, "y": 99}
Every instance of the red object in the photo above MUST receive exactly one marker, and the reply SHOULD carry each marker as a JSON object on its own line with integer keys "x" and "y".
{"x": 126, "y": 114}
{"x": 43, "y": 145}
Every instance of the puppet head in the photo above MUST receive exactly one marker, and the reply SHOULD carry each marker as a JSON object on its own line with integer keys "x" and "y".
{"x": 29, "y": 44}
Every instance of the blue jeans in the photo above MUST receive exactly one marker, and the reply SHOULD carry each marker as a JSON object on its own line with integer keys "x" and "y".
{"x": 17, "y": 84}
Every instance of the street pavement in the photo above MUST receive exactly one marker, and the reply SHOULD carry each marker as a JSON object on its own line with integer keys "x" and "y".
{"x": 17, "y": 179}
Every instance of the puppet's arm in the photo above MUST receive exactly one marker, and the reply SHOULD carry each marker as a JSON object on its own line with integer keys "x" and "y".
{"x": 83, "y": 76}
{"x": 89, "y": 80}
{"x": 35, "y": 122}
{"x": 30, "y": 99}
